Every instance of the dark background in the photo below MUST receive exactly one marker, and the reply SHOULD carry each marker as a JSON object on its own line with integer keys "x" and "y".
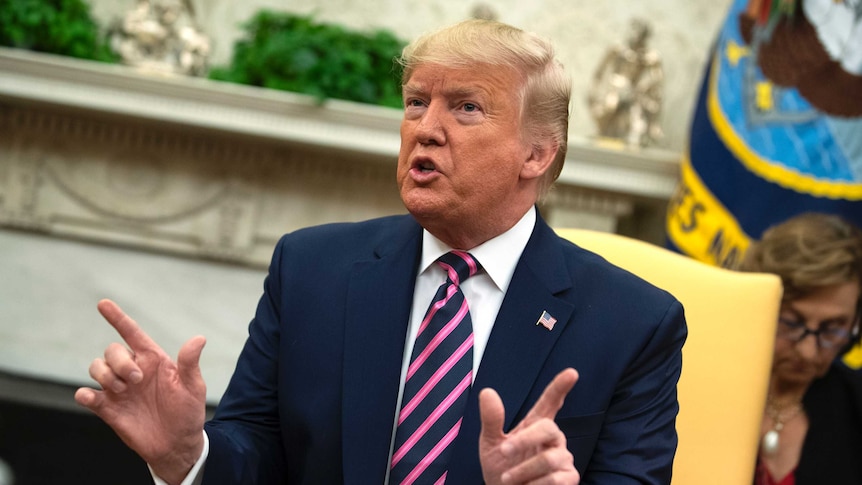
{"x": 48, "y": 440}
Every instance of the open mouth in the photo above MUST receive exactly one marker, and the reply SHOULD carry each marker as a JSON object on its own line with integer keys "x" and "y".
{"x": 424, "y": 165}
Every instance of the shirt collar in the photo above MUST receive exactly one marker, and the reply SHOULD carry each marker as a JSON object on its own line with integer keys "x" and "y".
{"x": 498, "y": 256}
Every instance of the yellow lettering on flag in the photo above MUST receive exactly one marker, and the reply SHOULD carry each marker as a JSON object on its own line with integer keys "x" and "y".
{"x": 700, "y": 226}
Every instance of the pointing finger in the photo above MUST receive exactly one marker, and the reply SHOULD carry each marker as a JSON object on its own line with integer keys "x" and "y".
{"x": 128, "y": 329}
{"x": 552, "y": 397}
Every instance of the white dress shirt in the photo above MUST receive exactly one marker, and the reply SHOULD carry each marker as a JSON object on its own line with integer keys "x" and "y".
{"x": 483, "y": 291}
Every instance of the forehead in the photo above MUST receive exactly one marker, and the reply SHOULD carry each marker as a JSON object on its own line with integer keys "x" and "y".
{"x": 838, "y": 299}
{"x": 474, "y": 79}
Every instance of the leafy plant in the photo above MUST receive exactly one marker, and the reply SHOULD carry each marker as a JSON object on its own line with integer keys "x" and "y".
{"x": 63, "y": 27}
{"x": 294, "y": 53}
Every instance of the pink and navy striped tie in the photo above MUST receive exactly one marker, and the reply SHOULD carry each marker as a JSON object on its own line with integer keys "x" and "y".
{"x": 438, "y": 381}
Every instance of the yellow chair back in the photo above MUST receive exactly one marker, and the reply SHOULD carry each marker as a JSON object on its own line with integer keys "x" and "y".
{"x": 727, "y": 357}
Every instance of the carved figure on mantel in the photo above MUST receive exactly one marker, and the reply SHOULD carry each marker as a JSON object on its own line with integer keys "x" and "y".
{"x": 161, "y": 36}
{"x": 483, "y": 11}
{"x": 625, "y": 97}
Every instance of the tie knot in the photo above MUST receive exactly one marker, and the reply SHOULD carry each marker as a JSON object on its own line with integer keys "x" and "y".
{"x": 459, "y": 265}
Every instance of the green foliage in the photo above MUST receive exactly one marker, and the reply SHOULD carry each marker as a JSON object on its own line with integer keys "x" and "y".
{"x": 294, "y": 53}
{"x": 63, "y": 27}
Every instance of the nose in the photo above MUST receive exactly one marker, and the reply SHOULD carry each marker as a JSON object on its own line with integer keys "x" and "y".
{"x": 429, "y": 129}
{"x": 808, "y": 347}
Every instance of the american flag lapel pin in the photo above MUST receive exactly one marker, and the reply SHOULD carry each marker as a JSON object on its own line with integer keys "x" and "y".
{"x": 547, "y": 321}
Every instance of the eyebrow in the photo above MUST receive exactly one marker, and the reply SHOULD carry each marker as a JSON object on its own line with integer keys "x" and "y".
{"x": 457, "y": 91}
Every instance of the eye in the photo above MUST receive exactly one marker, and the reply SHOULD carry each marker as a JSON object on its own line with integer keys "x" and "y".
{"x": 834, "y": 329}
{"x": 413, "y": 102}
{"x": 837, "y": 332}
{"x": 470, "y": 107}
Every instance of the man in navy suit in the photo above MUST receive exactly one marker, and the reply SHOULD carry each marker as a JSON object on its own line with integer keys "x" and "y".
{"x": 317, "y": 388}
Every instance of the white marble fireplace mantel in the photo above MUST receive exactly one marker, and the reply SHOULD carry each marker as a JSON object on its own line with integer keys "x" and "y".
{"x": 55, "y": 105}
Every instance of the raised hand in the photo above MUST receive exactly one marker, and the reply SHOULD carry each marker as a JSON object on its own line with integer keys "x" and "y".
{"x": 535, "y": 450}
{"x": 156, "y": 406}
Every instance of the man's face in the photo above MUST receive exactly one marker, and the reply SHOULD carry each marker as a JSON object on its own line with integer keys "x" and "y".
{"x": 462, "y": 149}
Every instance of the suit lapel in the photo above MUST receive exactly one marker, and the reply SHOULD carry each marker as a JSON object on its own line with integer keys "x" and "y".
{"x": 378, "y": 309}
{"x": 517, "y": 347}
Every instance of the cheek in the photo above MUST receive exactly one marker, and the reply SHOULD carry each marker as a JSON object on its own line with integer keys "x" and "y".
{"x": 408, "y": 141}
{"x": 782, "y": 346}
{"x": 399, "y": 168}
{"x": 785, "y": 352}
{"x": 401, "y": 174}
{"x": 402, "y": 159}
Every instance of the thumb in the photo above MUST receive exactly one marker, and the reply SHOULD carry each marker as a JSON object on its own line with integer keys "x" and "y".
{"x": 492, "y": 414}
{"x": 188, "y": 360}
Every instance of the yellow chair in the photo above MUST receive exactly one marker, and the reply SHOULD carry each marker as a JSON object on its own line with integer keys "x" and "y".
{"x": 726, "y": 359}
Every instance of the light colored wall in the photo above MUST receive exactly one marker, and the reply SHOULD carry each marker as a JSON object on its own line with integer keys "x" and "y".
{"x": 581, "y": 29}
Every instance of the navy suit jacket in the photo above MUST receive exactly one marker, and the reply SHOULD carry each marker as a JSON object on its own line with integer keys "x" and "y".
{"x": 313, "y": 396}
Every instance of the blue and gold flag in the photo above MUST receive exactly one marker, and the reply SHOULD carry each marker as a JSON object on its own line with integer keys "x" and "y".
{"x": 777, "y": 128}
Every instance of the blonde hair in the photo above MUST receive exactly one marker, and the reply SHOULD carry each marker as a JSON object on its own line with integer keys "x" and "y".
{"x": 546, "y": 91}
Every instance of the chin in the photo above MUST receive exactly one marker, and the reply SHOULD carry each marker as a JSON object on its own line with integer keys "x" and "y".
{"x": 421, "y": 211}
{"x": 420, "y": 200}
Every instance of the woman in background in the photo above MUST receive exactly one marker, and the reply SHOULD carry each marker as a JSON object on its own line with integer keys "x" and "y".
{"x": 812, "y": 425}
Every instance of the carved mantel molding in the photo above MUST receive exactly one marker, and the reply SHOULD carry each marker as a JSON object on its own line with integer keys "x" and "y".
{"x": 219, "y": 170}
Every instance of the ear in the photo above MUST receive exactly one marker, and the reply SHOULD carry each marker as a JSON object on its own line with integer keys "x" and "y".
{"x": 540, "y": 159}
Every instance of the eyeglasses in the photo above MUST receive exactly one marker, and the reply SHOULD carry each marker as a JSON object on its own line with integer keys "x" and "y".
{"x": 827, "y": 337}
